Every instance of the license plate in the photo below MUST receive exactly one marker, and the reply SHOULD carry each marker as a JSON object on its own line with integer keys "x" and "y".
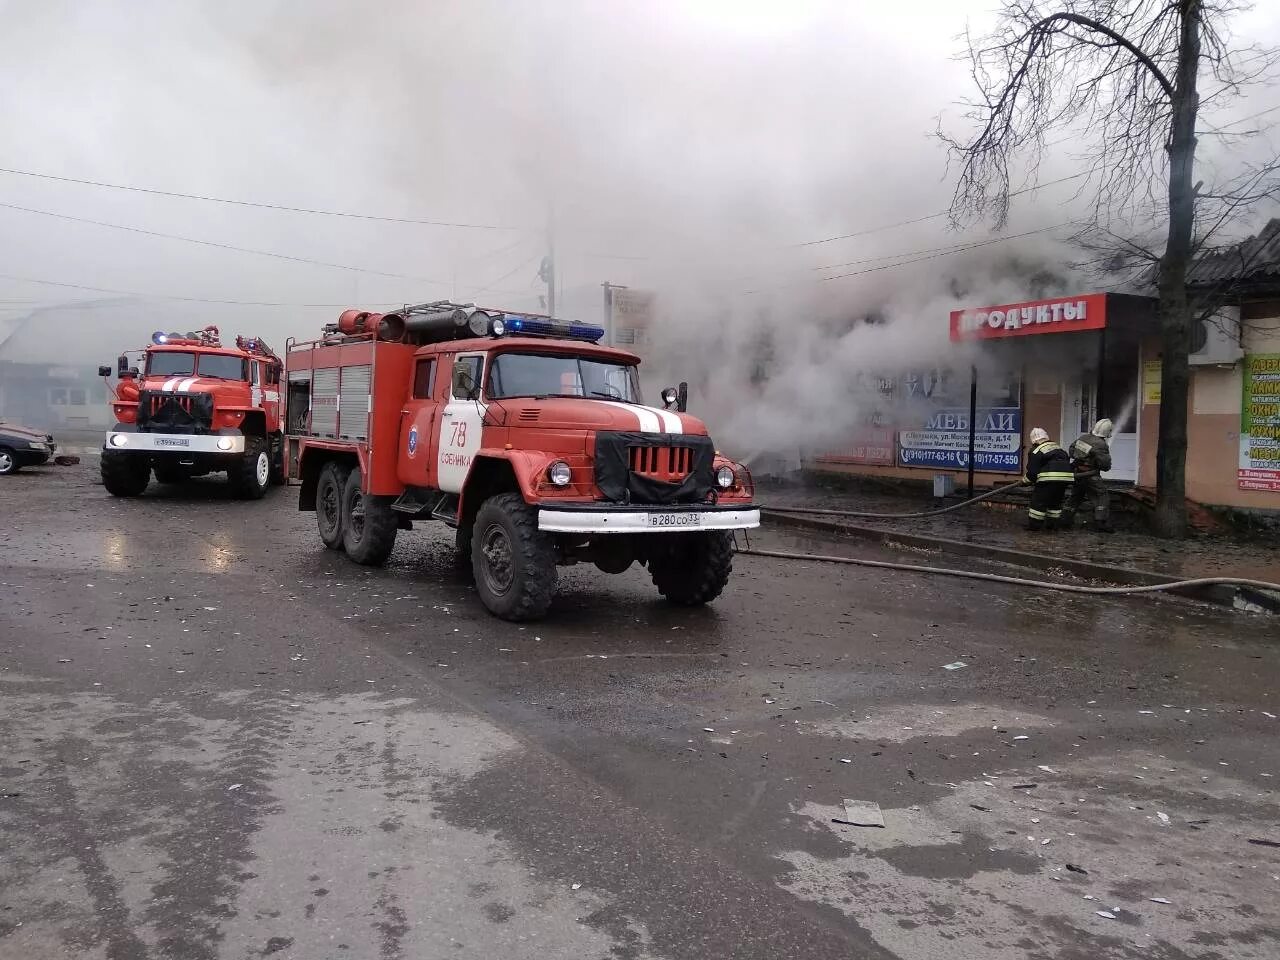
{"x": 675, "y": 519}
{"x": 172, "y": 442}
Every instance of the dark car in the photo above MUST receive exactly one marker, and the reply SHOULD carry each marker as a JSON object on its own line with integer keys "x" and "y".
{"x": 23, "y": 447}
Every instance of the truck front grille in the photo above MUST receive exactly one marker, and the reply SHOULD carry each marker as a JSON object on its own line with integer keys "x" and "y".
{"x": 668, "y": 464}
{"x": 161, "y": 411}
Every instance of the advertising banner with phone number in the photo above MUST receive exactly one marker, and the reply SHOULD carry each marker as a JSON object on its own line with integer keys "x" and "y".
{"x": 942, "y": 441}
{"x": 1260, "y": 424}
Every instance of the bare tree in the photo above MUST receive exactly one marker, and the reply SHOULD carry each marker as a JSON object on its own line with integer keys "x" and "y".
{"x": 1124, "y": 77}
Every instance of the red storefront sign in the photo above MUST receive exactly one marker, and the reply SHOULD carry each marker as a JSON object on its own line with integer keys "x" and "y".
{"x": 1058, "y": 315}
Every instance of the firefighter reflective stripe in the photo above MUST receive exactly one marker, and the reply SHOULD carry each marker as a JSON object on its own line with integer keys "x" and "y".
{"x": 1035, "y": 514}
{"x": 1056, "y": 476}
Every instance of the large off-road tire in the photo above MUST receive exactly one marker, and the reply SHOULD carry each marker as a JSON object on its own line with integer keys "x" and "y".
{"x": 171, "y": 473}
{"x": 250, "y": 476}
{"x": 329, "y": 491}
{"x": 8, "y": 461}
{"x": 513, "y": 561}
{"x": 369, "y": 524}
{"x": 125, "y": 474}
{"x": 693, "y": 568}
{"x": 463, "y": 538}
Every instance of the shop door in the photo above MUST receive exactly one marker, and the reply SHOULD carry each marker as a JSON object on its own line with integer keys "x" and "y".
{"x": 1120, "y": 391}
{"x": 1078, "y": 394}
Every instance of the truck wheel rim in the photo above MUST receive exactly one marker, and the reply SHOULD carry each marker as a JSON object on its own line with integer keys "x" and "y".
{"x": 498, "y": 567}
{"x": 329, "y": 506}
{"x": 262, "y": 469}
{"x": 6, "y": 461}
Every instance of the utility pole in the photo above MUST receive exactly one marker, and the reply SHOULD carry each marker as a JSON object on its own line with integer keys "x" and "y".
{"x": 608, "y": 309}
{"x": 548, "y": 270}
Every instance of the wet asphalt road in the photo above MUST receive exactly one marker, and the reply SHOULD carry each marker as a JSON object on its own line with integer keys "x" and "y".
{"x": 218, "y": 739}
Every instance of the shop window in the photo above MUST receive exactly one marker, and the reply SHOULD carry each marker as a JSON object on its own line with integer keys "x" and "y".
{"x": 77, "y": 398}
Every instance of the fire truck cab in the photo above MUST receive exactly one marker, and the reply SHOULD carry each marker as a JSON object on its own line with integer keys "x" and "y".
{"x": 195, "y": 407}
{"x": 520, "y": 432}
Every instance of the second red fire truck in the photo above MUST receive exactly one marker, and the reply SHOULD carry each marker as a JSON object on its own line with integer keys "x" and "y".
{"x": 195, "y": 407}
{"x": 522, "y": 433}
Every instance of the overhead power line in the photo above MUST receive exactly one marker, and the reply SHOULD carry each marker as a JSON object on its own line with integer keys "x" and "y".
{"x": 249, "y": 203}
{"x": 935, "y": 216}
{"x": 948, "y": 251}
{"x": 225, "y": 246}
{"x": 166, "y": 296}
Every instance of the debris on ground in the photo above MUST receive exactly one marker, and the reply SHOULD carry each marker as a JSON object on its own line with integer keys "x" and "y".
{"x": 1024, "y": 786}
{"x": 66, "y": 460}
{"x": 1160, "y": 900}
{"x": 1105, "y": 914}
{"x": 954, "y": 666}
{"x": 1264, "y": 843}
{"x": 861, "y": 813}
{"x": 1074, "y": 868}
{"x": 575, "y": 886}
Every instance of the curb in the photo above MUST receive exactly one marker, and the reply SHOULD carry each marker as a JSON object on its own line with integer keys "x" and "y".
{"x": 1220, "y": 594}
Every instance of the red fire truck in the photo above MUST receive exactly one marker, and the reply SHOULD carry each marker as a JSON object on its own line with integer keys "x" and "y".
{"x": 195, "y": 407}
{"x": 523, "y": 434}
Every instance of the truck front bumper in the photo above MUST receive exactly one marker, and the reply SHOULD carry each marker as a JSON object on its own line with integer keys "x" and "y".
{"x": 134, "y": 441}
{"x": 591, "y": 518}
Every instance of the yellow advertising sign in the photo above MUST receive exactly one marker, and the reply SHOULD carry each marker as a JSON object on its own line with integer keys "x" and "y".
{"x": 1151, "y": 382}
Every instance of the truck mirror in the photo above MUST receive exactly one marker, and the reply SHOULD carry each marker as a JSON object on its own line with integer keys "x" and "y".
{"x": 682, "y": 396}
{"x": 104, "y": 371}
{"x": 464, "y": 387}
{"x": 122, "y": 364}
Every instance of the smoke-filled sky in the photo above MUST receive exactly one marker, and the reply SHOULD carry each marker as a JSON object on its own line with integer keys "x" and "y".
{"x": 683, "y": 146}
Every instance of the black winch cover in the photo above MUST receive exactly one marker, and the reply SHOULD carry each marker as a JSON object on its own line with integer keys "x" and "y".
{"x": 170, "y": 414}
{"x": 618, "y": 483}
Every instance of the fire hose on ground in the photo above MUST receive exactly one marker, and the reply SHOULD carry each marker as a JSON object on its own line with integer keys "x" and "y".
{"x": 1017, "y": 581}
{"x": 989, "y": 577}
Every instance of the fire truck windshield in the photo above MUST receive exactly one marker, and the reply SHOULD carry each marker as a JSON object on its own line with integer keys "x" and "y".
{"x": 175, "y": 363}
{"x": 558, "y": 375}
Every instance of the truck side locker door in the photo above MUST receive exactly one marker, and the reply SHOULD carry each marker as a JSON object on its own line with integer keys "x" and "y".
{"x": 419, "y": 422}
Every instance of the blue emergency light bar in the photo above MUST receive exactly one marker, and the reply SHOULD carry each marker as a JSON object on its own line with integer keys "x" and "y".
{"x": 515, "y": 324}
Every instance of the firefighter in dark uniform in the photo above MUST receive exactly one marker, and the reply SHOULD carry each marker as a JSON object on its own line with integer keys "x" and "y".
{"x": 1049, "y": 468}
{"x": 1090, "y": 458}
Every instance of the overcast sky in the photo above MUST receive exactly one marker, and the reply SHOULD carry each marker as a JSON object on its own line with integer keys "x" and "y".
{"x": 664, "y": 140}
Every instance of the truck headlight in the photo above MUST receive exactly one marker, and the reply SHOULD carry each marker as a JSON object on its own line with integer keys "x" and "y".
{"x": 725, "y": 478}
{"x": 226, "y": 443}
{"x": 119, "y": 439}
{"x": 559, "y": 473}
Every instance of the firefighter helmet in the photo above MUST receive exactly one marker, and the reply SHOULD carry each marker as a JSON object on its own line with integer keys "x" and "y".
{"x": 1104, "y": 428}
{"x": 1039, "y": 435}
